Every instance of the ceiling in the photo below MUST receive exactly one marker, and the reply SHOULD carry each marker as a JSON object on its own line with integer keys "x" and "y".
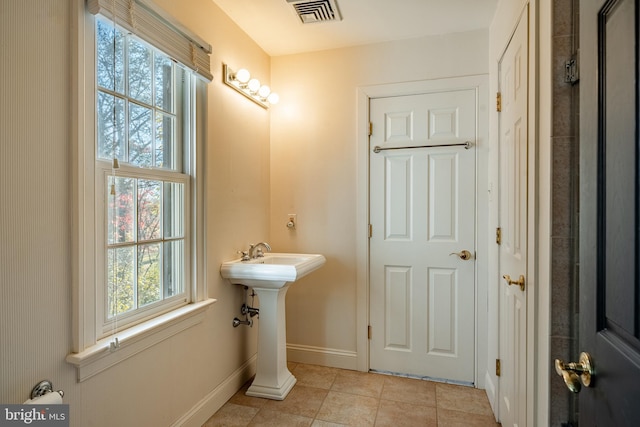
{"x": 275, "y": 26}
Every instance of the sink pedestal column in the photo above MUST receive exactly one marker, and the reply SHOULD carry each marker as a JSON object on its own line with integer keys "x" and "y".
{"x": 273, "y": 379}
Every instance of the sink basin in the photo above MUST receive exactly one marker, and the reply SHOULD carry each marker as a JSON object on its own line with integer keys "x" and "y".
{"x": 273, "y": 270}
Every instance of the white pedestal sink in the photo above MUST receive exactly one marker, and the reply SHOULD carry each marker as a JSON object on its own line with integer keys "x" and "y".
{"x": 270, "y": 277}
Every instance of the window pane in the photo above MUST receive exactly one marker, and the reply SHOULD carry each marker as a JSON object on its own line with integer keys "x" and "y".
{"x": 120, "y": 279}
{"x": 173, "y": 210}
{"x": 149, "y": 205}
{"x": 111, "y": 143}
{"x": 164, "y": 141}
{"x": 174, "y": 268}
{"x": 164, "y": 83}
{"x": 110, "y": 57}
{"x": 140, "y": 136}
{"x": 120, "y": 210}
{"x": 139, "y": 71}
{"x": 149, "y": 267}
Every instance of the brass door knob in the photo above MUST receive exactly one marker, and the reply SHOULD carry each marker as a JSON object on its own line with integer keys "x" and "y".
{"x": 463, "y": 255}
{"x": 519, "y": 282}
{"x": 575, "y": 373}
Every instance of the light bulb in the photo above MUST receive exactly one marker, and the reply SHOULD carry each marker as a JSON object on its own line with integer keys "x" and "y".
{"x": 273, "y": 98}
{"x": 242, "y": 75}
{"x": 264, "y": 91}
{"x": 254, "y": 85}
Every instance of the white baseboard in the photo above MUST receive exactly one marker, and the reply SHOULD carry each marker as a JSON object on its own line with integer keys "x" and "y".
{"x": 213, "y": 401}
{"x": 322, "y": 356}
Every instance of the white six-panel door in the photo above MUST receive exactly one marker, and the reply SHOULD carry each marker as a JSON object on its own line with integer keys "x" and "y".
{"x": 422, "y": 212}
{"x": 513, "y": 160}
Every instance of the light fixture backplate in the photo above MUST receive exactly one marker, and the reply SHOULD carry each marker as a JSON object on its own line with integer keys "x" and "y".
{"x": 228, "y": 78}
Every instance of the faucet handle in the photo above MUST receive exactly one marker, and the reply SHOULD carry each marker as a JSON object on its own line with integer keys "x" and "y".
{"x": 245, "y": 255}
{"x": 259, "y": 253}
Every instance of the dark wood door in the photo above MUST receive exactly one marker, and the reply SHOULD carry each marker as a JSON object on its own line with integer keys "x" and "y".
{"x": 610, "y": 212}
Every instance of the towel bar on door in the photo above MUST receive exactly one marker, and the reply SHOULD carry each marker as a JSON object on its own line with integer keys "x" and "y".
{"x": 466, "y": 146}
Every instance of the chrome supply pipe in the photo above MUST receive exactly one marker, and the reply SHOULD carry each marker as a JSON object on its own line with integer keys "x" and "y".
{"x": 247, "y": 310}
{"x": 237, "y": 322}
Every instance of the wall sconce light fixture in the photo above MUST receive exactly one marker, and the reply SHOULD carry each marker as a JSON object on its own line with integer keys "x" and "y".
{"x": 250, "y": 87}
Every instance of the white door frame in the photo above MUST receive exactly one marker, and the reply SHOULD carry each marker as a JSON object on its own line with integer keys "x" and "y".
{"x": 481, "y": 84}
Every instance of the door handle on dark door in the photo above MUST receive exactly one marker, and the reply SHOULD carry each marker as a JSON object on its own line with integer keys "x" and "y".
{"x": 463, "y": 255}
{"x": 573, "y": 373}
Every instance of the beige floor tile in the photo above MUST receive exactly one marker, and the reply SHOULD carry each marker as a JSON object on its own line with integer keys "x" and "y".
{"x": 232, "y": 415}
{"x": 399, "y": 414}
{"x": 409, "y": 390}
{"x": 269, "y": 418}
{"x": 332, "y": 397}
{"x": 240, "y": 398}
{"x": 464, "y": 399}
{"x": 349, "y": 409}
{"x": 315, "y": 376}
{"x": 449, "y": 418}
{"x": 361, "y": 383}
{"x": 302, "y": 400}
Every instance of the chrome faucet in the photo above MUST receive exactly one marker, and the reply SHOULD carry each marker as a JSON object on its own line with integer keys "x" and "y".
{"x": 256, "y": 252}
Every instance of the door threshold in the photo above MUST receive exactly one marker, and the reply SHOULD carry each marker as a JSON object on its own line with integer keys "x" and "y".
{"x": 424, "y": 378}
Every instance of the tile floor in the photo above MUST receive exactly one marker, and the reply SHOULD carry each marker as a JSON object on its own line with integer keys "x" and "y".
{"x": 327, "y": 397}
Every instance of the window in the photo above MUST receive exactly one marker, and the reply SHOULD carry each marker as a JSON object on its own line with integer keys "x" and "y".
{"x": 138, "y": 215}
{"x": 142, "y": 112}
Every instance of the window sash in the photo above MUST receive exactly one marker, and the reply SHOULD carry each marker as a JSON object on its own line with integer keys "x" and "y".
{"x": 166, "y": 153}
{"x": 149, "y": 22}
{"x": 106, "y": 325}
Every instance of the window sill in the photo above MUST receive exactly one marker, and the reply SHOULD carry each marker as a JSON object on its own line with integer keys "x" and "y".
{"x": 98, "y": 357}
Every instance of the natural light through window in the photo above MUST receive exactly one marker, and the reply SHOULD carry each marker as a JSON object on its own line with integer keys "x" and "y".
{"x": 141, "y": 117}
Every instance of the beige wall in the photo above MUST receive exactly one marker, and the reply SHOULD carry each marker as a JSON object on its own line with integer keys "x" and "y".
{"x": 313, "y": 169}
{"x": 35, "y": 242}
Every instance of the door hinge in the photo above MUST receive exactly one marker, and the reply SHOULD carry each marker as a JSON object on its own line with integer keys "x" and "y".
{"x": 498, "y": 102}
{"x": 370, "y": 128}
{"x": 370, "y": 231}
{"x": 369, "y": 331}
{"x": 499, "y": 236}
{"x": 497, "y": 367}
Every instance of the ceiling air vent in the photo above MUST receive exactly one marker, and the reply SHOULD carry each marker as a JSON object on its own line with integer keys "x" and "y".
{"x": 310, "y": 11}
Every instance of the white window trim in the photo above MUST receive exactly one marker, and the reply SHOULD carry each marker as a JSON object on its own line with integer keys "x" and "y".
{"x": 99, "y": 357}
{"x": 89, "y": 354}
